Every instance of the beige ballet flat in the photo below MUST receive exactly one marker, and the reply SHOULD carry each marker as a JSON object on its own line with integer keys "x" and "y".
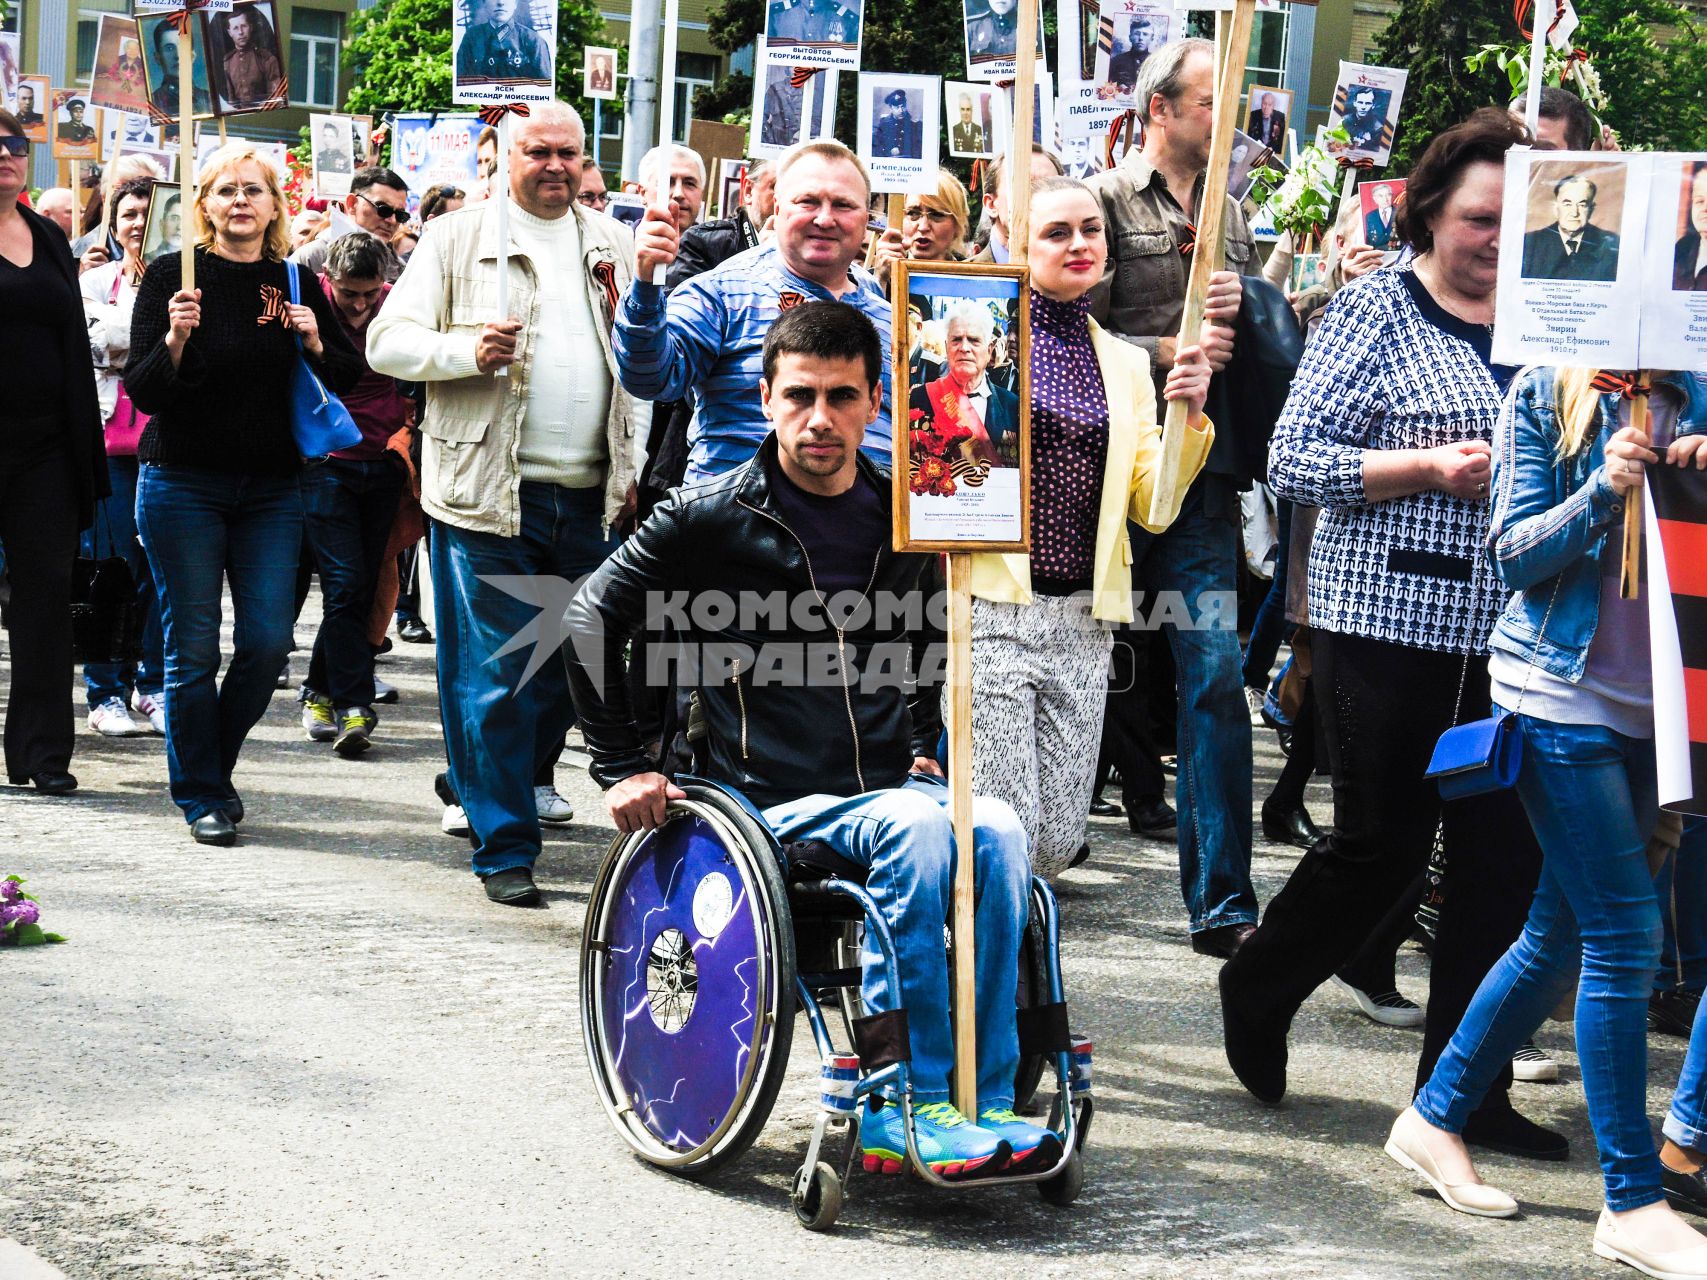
{"x": 1405, "y": 1146}
{"x": 1678, "y": 1264}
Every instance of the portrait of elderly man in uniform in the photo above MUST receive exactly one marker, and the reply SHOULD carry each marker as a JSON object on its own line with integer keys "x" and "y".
{"x": 497, "y": 45}
{"x": 896, "y": 132}
{"x": 966, "y": 136}
{"x": 964, "y": 396}
{"x": 1571, "y": 247}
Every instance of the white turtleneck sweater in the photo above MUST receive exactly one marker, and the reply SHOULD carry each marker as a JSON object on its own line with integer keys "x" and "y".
{"x": 569, "y": 385}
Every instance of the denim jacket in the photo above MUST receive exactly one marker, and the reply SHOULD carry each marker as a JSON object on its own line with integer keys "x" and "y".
{"x": 1551, "y": 520}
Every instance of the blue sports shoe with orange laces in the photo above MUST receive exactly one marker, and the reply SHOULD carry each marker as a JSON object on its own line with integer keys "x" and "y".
{"x": 1033, "y": 1148}
{"x": 949, "y": 1143}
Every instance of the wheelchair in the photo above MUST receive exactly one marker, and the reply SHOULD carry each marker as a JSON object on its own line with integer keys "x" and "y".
{"x": 702, "y": 941}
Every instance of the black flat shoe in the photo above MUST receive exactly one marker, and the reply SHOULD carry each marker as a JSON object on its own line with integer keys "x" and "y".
{"x": 1255, "y": 1050}
{"x": 1081, "y": 855}
{"x": 1223, "y": 941}
{"x": 214, "y": 827}
{"x": 512, "y": 888}
{"x": 1101, "y": 808}
{"x": 1290, "y": 826}
{"x": 1153, "y": 818}
{"x": 1673, "y": 1012}
{"x": 414, "y": 631}
{"x": 1502, "y": 1129}
{"x": 234, "y": 809}
{"x": 50, "y": 782}
{"x": 1685, "y": 1191}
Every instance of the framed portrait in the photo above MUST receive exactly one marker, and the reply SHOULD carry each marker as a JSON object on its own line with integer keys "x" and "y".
{"x": 898, "y": 130}
{"x": 76, "y": 126}
{"x": 814, "y": 33}
{"x": 598, "y": 73}
{"x": 503, "y": 50}
{"x": 160, "y": 67}
{"x": 962, "y": 473}
{"x": 783, "y": 102}
{"x": 332, "y": 152}
{"x": 1366, "y": 106}
{"x": 1128, "y": 31}
{"x": 165, "y": 162}
{"x": 729, "y": 176}
{"x": 992, "y": 33}
{"x": 121, "y": 127}
{"x": 117, "y": 83}
{"x": 1689, "y": 249}
{"x": 164, "y": 231}
{"x": 1244, "y": 161}
{"x": 972, "y": 117}
{"x": 361, "y": 128}
{"x": 1268, "y": 116}
{"x": 1379, "y": 203}
{"x": 35, "y": 101}
{"x": 1309, "y": 271}
{"x": 245, "y": 59}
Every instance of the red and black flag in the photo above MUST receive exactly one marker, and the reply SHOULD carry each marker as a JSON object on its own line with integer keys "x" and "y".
{"x": 1677, "y": 622}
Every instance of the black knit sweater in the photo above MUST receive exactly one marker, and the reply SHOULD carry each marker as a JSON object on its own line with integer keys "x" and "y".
{"x": 226, "y": 407}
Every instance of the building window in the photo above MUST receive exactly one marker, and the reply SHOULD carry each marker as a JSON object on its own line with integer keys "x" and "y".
{"x": 88, "y": 32}
{"x": 314, "y": 38}
{"x": 694, "y": 71}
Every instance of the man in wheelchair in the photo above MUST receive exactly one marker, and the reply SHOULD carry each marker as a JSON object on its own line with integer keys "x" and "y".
{"x": 792, "y": 612}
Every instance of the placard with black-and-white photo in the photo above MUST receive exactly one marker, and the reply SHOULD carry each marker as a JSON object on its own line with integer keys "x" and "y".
{"x": 503, "y": 50}
{"x": 119, "y": 128}
{"x": 1267, "y": 116}
{"x": 245, "y": 60}
{"x": 1042, "y": 112}
{"x": 1570, "y": 259}
{"x": 1244, "y": 160}
{"x": 598, "y": 73}
{"x": 164, "y": 231}
{"x": 331, "y": 144}
{"x": 972, "y": 116}
{"x": 76, "y": 126}
{"x": 992, "y": 34}
{"x": 160, "y": 66}
{"x": 1366, "y": 105}
{"x": 1674, "y": 267}
{"x": 784, "y": 98}
{"x": 814, "y": 33}
{"x": 898, "y": 124}
{"x": 35, "y": 101}
{"x": 1128, "y": 32}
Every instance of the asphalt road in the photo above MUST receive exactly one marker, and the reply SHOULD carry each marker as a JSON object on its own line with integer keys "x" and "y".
{"x": 323, "y": 1054}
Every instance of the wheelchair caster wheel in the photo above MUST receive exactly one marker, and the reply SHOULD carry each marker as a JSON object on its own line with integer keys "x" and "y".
{"x": 818, "y": 1205}
{"x": 1065, "y": 1186}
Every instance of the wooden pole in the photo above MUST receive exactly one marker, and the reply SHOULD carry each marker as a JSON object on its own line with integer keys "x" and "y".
{"x": 186, "y": 150}
{"x": 960, "y": 814}
{"x": 1024, "y": 113}
{"x": 667, "y": 114}
{"x": 1206, "y": 257}
{"x": 501, "y": 199}
{"x": 1630, "y": 570}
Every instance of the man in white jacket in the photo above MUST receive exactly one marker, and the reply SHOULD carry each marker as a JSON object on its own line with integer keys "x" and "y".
{"x": 523, "y": 475}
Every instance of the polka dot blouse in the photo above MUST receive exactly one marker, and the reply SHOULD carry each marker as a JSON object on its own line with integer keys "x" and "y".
{"x": 1069, "y": 444}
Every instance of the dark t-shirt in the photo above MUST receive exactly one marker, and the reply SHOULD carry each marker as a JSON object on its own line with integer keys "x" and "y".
{"x": 842, "y": 535}
{"x": 1479, "y": 336}
{"x": 36, "y": 303}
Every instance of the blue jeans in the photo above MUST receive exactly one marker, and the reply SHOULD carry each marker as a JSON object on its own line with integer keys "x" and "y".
{"x": 904, "y": 835}
{"x": 1590, "y": 794}
{"x": 1196, "y": 557}
{"x": 349, "y": 505}
{"x": 204, "y": 530}
{"x": 506, "y": 706}
{"x": 114, "y": 534}
{"x": 1686, "y": 1123}
{"x": 1682, "y": 888}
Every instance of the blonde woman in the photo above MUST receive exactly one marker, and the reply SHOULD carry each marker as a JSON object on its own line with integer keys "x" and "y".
{"x": 1570, "y": 657}
{"x": 934, "y": 226}
{"x": 217, "y": 500}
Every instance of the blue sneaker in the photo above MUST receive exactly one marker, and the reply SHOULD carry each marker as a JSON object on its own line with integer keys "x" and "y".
{"x": 949, "y": 1143}
{"x": 1033, "y": 1148}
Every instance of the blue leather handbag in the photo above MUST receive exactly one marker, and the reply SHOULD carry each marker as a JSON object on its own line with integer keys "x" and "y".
{"x": 318, "y": 419}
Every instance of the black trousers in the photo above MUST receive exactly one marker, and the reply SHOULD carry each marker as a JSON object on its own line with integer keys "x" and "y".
{"x": 38, "y": 531}
{"x": 1382, "y": 707}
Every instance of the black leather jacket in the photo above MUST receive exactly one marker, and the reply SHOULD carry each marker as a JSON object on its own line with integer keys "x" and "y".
{"x": 793, "y": 705}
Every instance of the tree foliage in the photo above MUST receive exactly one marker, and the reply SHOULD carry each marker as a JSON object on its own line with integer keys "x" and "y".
{"x": 1432, "y": 39}
{"x": 1651, "y": 57}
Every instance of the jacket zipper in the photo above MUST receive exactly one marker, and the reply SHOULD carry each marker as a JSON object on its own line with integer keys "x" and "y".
{"x": 841, "y": 635}
{"x": 741, "y": 701}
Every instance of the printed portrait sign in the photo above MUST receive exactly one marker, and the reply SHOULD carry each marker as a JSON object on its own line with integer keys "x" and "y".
{"x": 898, "y": 130}
{"x": 1379, "y": 203}
{"x": 598, "y": 73}
{"x": 335, "y": 163}
{"x": 1081, "y": 149}
{"x": 814, "y": 33}
{"x": 245, "y": 60}
{"x": 1309, "y": 271}
{"x": 503, "y": 50}
{"x": 164, "y": 232}
{"x": 962, "y": 472}
{"x": 780, "y": 97}
{"x": 1243, "y": 162}
{"x": 76, "y": 126}
{"x": 429, "y": 149}
{"x": 1268, "y": 116}
{"x": 160, "y": 67}
{"x": 1042, "y": 113}
{"x": 35, "y": 100}
{"x": 971, "y": 117}
{"x": 1570, "y": 259}
{"x": 11, "y": 68}
{"x": 992, "y": 32}
{"x": 119, "y": 129}
{"x": 729, "y": 176}
{"x": 1128, "y": 32}
{"x": 1674, "y": 265}
{"x": 117, "y": 82}
{"x": 1079, "y": 24}
{"x": 1366, "y": 104}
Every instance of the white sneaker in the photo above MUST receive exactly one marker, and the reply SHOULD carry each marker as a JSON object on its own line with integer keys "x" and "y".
{"x": 1253, "y": 704}
{"x": 551, "y": 806}
{"x": 146, "y": 704}
{"x": 1389, "y": 1008}
{"x": 1533, "y": 1065}
{"x": 111, "y": 720}
{"x": 455, "y": 822}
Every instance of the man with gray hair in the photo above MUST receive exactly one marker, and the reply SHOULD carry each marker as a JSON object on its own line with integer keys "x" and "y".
{"x": 964, "y": 397}
{"x": 523, "y": 475}
{"x": 1151, "y": 202}
{"x": 1572, "y": 247}
{"x": 686, "y": 193}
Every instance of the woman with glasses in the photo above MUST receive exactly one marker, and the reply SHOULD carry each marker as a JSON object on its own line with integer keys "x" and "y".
{"x": 52, "y": 470}
{"x": 933, "y": 228}
{"x": 218, "y": 501}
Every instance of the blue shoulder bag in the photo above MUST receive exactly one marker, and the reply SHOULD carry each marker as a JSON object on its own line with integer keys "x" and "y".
{"x": 318, "y": 419}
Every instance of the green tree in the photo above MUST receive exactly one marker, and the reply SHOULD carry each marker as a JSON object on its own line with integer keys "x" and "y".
{"x": 399, "y": 55}
{"x": 1432, "y": 39}
{"x": 1651, "y": 59}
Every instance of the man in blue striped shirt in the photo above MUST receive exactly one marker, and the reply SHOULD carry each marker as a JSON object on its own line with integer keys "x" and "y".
{"x": 708, "y": 339}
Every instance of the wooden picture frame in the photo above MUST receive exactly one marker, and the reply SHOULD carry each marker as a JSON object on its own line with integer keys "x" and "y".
{"x": 972, "y": 491}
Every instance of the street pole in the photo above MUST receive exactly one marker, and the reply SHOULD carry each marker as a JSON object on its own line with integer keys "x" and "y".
{"x": 640, "y": 124}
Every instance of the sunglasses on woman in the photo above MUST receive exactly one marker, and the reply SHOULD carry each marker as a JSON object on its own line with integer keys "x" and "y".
{"x": 14, "y": 144}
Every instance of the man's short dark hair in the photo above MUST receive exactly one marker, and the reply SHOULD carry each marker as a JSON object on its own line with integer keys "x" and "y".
{"x": 825, "y": 331}
{"x": 375, "y": 176}
{"x": 1484, "y": 138}
{"x": 1572, "y": 112}
{"x": 356, "y": 256}
{"x": 162, "y": 32}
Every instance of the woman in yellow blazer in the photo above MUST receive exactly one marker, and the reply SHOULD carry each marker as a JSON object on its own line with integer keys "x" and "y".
{"x": 1041, "y": 622}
